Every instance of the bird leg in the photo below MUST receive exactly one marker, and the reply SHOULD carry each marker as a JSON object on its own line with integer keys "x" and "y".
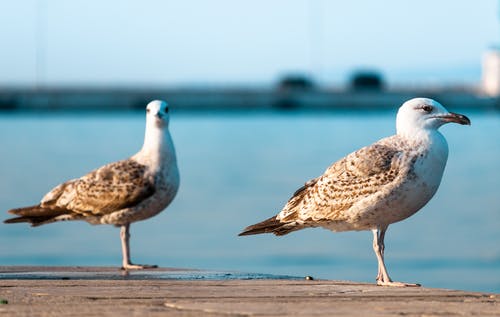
{"x": 383, "y": 278}
{"x": 381, "y": 247}
{"x": 126, "y": 263}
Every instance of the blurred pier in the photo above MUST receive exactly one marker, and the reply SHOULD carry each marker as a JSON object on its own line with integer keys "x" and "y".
{"x": 232, "y": 99}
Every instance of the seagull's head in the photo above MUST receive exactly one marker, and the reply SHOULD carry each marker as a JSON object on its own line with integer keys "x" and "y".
{"x": 425, "y": 114}
{"x": 157, "y": 113}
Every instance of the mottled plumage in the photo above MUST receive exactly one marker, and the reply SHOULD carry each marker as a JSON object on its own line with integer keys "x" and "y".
{"x": 337, "y": 198}
{"x": 118, "y": 193}
{"x": 375, "y": 186}
{"x": 113, "y": 187}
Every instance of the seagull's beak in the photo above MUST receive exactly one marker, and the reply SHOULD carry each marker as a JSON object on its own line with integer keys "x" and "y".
{"x": 455, "y": 117}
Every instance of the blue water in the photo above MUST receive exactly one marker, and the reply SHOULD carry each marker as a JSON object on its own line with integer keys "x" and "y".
{"x": 239, "y": 169}
{"x": 156, "y": 274}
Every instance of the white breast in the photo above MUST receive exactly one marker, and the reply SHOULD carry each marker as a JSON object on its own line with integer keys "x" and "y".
{"x": 424, "y": 163}
{"x": 429, "y": 160}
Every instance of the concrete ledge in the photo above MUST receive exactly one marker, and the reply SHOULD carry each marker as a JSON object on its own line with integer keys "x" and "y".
{"x": 70, "y": 296}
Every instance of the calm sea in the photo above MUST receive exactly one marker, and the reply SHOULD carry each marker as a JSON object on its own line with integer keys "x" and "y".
{"x": 239, "y": 169}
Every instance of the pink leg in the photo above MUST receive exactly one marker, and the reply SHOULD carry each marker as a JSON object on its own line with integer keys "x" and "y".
{"x": 126, "y": 263}
{"x": 383, "y": 278}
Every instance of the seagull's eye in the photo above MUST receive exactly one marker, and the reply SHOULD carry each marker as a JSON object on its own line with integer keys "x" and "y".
{"x": 148, "y": 110}
{"x": 427, "y": 108}
{"x": 166, "y": 110}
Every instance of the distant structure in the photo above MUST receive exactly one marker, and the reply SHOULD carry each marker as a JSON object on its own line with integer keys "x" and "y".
{"x": 288, "y": 88}
{"x": 296, "y": 82}
{"x": 491, "y": 73}
{"x": 366, "y": 80}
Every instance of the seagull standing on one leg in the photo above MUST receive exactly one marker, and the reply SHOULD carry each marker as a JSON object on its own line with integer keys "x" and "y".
{"x": 118, "y": 193}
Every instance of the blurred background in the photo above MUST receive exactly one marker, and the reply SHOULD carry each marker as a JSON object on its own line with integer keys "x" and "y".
{"x": 264, "y": 96}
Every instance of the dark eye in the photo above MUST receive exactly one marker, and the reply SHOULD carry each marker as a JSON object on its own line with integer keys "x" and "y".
{"x": 427, "y": 108}
{"x": 147, "y": 110}
{"x": 166, "y": 110}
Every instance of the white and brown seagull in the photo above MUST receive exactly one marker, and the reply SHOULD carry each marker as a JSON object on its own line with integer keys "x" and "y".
{"x": 118, "y": 193}
{"x": 375, "y": 186}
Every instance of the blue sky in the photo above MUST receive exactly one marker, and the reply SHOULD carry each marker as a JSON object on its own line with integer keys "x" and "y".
{"x": 228, "y": 42}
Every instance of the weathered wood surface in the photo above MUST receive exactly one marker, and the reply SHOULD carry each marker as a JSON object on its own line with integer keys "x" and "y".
{"x": 73, "y": 292}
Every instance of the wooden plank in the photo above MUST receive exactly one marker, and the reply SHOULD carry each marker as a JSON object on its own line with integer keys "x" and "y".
{"x": 65, "y": 294}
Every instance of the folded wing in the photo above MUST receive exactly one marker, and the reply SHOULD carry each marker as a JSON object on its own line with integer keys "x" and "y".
{"x": 108, "y": 189}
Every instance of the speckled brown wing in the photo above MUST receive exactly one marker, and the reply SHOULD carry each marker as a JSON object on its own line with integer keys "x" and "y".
{"x": 110, "y": 188}
{"x": 347, "y": 181}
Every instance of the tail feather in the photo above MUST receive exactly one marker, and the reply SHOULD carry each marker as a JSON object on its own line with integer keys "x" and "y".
{"x": 271, "y": 225}
{"x": 33, "y": 221}
{"x": 35, "y": 215}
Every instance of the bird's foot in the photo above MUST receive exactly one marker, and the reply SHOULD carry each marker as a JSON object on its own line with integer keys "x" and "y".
{"x": 130, "y": 266}
{"x": 396, "y": 284}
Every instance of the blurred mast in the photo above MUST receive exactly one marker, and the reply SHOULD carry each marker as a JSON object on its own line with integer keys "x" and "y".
{"x": 315, "y": 9}
{"x": 40, "y": 42}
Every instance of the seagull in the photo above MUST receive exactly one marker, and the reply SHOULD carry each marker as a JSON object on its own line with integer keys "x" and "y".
{"x": 376, "y": 186}
{"x": 118, "y": 193}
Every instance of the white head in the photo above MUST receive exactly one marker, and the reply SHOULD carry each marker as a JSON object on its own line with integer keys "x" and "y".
{"x": 157, "y": 114}
{"x": 158, "y": 147}
{"x": 420, "y": 114}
